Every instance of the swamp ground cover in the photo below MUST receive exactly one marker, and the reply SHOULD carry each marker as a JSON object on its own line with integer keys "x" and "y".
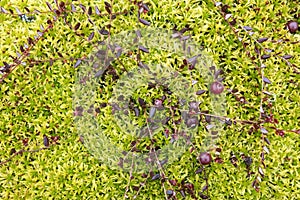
{"x": 256, "y": 155}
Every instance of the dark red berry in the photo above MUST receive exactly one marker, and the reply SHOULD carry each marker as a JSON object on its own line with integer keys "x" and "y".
{"x": 216, "y": 87}
{"x": 292, "y": 26}
{"x": 205, "y": 158}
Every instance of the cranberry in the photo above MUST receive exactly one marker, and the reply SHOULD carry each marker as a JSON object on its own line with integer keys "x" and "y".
{"x": 216, "y": 87}
{"x": 292, "y": 26}
{"x": 205, "y": 158}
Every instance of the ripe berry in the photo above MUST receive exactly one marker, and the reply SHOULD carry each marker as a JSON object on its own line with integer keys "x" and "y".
{"x": 292, "y": 26}
{"x": 216, "y": 87}
{"x": 205, "y": 158}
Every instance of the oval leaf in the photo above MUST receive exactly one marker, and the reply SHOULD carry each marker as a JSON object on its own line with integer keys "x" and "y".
{"x": 77, "y": 63}
{"x": 103, "y": 32}
{"x": 267, "y": 141}
{"x": 73, "y": 8}
{"x": 46, "y": 141}
{"x": 82, "y": 7}
{"x": 287, "y": 56}
{"x": 143, "y": 49}
{"x": 199, "y": 92}
{"x": 247, "y": 28}
{"x": 261, "y": 40}
{"x": 90, "y": 11}
{"x": 266, "y": 80}
{"x": 97, "y": 10}
{"x": 49, "y": 6}
{"x": 265, "y": 56}
{"x": 145, "y": 22}
{"x": 91, "y": 36}
{"x": 76, "y": 27}
{"x": 155, "y": 177}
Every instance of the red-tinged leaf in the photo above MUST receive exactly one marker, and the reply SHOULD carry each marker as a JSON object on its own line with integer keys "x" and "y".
{"x": 73, "y": 8}
{"x": 287, "y": 56}
{"x": 46, "y": 141}
{"x": 55, "y": 1}
{"x": 173, "y": 182}
{"x": 6, "y": 64}
{"x": 280, "y": 132}
{"x": 55, "y": 138}
{"x": 199, "y": 92}
{"x": 265, "y": 56}
{"x": 247, "y": 28}
{"x": 57, "y": 12}
{"x": 267, "y": 141}
{"x": 22, "y": 49}
{"x": 77, "y": 63}
{"x": 97, "y": 10}
{"x": 76, "y": 27}
{"x": 90, "y": 11}
{"x": 27, "y": 10}
{"x": 25, "y": 142}
{"x": 262, "y": 156}
{"x": 107, "y": 4}
{"x": 90, "y": 21}
{"x": 60, "y": 55}
{"x": 91, "y": 36}
{"x": 82, "y": 7}
{"x": 254, "y": 183}
{"x": 143, "y": 49}
{"x": 108, "y": 9}
{"x": 62, "y": 5}
{"x": 266, "y": 80}
{"x": 233, "y": 22}
{"x": 49, "y": 6}
{"x": 257, "y": 50}
{"x": 225, "y": 8}
{"x": 30, "y": 41}
{"x": 261, "y": 40}
{"x": 203, "y": 196}
{"x": 145, "y": 22}
{"x": 103, "y": 31}
{"x": 12, "y": 151}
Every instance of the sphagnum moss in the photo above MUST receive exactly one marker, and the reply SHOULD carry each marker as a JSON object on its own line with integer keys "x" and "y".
{"x": 46, "y": 159}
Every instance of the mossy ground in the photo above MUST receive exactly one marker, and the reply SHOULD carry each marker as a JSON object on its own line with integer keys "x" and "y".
{"x": 37, "y": 101}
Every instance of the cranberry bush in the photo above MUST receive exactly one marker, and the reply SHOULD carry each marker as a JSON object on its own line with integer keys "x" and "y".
{"x": 255, "y": 48}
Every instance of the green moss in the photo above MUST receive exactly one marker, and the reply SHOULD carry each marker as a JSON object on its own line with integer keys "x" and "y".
{"x": 37, "y": 101}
